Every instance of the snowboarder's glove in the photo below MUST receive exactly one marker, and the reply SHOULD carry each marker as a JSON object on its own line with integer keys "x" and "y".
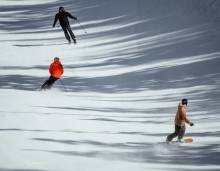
{"x": 75, "y": 18}
{"x": 191, "y": 124}
{"x": 53, "y": 26}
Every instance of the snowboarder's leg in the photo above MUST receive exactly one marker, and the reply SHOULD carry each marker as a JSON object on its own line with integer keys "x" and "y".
{"x": 72, "y": 34}
{"x": 66, "y": 34}
{"x": 181, "y": 132}
{"x": 173, "y": 135}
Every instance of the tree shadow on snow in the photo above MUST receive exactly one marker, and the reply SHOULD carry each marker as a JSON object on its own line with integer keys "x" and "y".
{"x": 163, "y": 153}
{"x": 4, "y": 169}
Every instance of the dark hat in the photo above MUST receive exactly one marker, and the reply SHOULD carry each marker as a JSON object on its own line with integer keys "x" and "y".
{"x": 56, "y": 59}
{"x": 184, "y": 101}
{"x": 61, "y": 8}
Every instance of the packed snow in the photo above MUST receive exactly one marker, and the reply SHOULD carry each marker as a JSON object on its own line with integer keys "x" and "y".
{"x": 116, "y": 102}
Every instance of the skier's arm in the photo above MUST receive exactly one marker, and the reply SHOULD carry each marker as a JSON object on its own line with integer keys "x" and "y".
{"x": 62, "y": 70}
{"x": 55, "y": 20}
{"x": 71, "y": 16}
{"x": 50, "y": 69}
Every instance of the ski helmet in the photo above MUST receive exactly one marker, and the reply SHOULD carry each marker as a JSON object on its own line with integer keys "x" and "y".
{"x": 56, "y": 59}
{"x": 184, "y": 102}
{"x": 61, "y": 9}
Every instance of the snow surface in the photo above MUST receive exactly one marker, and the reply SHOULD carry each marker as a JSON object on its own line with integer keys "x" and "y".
{"x": 122, "y": 84}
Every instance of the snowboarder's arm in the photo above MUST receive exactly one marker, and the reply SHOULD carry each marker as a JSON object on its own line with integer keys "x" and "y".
{"x": 55, "y": 20}
{"x": 187, "y": 120}
{"x": 184, "y": 116}
{"x": 71, "y": 16}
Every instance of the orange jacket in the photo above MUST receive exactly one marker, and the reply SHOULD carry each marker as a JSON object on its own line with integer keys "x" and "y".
{"x": 56, "y": 69}
{"x": 180, "y": 118}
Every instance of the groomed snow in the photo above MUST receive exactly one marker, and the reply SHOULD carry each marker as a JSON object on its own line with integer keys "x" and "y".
{"x": 120, "y": 90}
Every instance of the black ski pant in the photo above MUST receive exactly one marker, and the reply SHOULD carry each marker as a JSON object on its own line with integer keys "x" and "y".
{"x": 67, "y": 31}
{"x": 49, "y": 83}
{"x": 179, "y": 131}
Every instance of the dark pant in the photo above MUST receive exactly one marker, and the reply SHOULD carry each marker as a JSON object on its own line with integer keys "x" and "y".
{"x": 48, "y": 83}
{"x": 179, "y": 131}
{"x": 67, "y": 30}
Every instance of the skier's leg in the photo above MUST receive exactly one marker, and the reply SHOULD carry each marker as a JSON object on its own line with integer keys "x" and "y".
{"x": 72, "y": 34}
{"x": 173, "y": 135}
{"x": 51, "y": 82}
{"x": 181, "y": 133}
{"x": 66, "y": 34}
{"x": 45, "y": 85}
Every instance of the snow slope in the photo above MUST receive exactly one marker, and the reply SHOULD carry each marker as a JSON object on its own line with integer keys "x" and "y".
{"x": 122, "y": 84}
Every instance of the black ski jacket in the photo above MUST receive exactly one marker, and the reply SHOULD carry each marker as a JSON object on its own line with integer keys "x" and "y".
{"x": 63, "y": 18}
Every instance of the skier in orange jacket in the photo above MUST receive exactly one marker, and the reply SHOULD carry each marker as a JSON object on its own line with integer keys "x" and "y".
{"x": 56, "y": 70}
{"x": 180, "y": 121}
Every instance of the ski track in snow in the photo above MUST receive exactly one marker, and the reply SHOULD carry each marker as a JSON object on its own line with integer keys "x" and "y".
{"x": 122, "y": 84}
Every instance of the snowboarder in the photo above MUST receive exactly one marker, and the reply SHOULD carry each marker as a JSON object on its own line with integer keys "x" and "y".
{"x": 62, "y": 15}
{"x": 180, "y": 121}
{"x": 56, "y": 70}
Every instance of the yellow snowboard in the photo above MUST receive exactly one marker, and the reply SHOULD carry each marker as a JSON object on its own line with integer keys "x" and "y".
{"x": 188, "y": 140}
{"x": 185, "y": 140}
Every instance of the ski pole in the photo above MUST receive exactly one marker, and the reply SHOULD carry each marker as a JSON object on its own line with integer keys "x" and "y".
{"x": 82, "y": 27}
{"x": 63, "y": 85}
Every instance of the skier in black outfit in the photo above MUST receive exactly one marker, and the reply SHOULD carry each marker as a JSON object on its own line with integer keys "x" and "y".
{"x": 62, "y": 15}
